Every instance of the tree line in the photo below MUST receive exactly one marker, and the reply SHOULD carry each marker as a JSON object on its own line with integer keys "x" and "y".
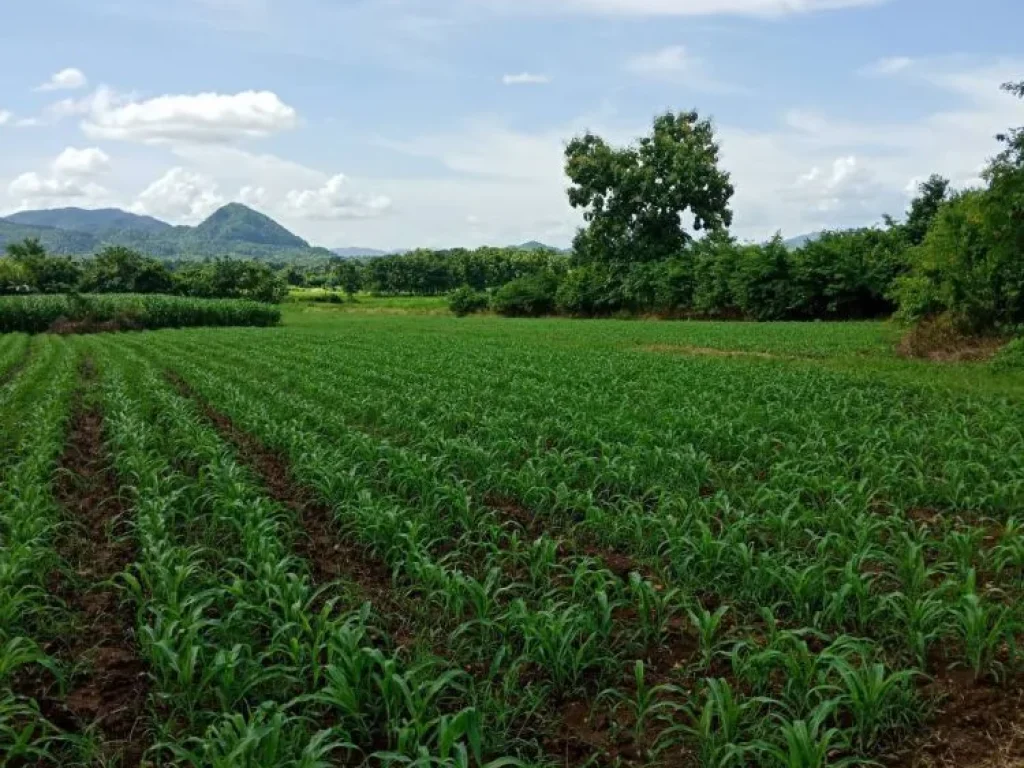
{"x": 656, "y": 240}
{"x": 28, "y": 268}
{"x": 425, "y": 272}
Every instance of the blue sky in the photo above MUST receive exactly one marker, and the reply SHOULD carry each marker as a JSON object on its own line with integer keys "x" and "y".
{"x": 395, "y": 123}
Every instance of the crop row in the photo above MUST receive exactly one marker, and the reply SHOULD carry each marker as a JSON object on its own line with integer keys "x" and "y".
{"x": 463, "y": 534}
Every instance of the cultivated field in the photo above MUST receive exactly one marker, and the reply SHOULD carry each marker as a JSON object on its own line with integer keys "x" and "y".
{"x": 387, "y": 540}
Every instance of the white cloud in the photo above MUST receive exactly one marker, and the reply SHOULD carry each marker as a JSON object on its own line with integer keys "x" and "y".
{"x": 205, "y": 118}
{"x": 335, "y": 200}
{"x": 5, "y": 116}
{"x": 29, "y": 122}
{"x": 526, "y": 78}
{"x": 81, "y": 162}
{"x": 33, "y": 189}
{"x": 888, "y": 66}
{"x": 255, "y": 197}
{"x": 180, "y": 195}
{"x": 69, "y": 79}
{"x": 675, "y": 64}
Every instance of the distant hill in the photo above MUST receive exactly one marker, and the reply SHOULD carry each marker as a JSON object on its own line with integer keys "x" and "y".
{"x": 358, "y": 253}
{"x": 232, "y": 231}
{"x": 54, "y": 240}
{"x": 240, "y": 223}
{"x": 801, "y": 240}
{"x": 94, "y": 222}
{"x": 533, "y": 245}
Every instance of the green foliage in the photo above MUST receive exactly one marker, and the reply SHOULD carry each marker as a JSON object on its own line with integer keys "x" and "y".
{"x": 970, "y": 263}
{"x": 1010, "y": 357}
{"x": 232, "y": 279}
{"x": 531, "y": 296}
{"x": 635, "y": 198}
{"x": 466, "y": 301}
{"x": 925, "y": 207}
{"x": 117, "y": 269}
{"x": 43, "y": 273}
{"x": 36, "y": 314}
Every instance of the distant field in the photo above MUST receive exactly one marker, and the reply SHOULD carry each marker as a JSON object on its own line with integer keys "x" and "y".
{"x": 312, "y": 299}
{"x": 419, "y": 540}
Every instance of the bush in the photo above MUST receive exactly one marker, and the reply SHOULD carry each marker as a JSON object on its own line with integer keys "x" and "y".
{"x": 79, "y": 313}
{"x": 465, "y": 301}
{"x": 531, "y": 296}
{"x": 1010, "y": 357}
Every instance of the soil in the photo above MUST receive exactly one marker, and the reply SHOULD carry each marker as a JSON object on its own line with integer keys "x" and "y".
{"x": 330, "y": 556}
{"x": 66, "y": 327}
{"x": 109, "y": 687}
{"x": 977, "y": 726}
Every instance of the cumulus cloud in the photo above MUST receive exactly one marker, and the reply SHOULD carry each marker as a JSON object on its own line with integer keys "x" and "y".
{"x": 335, "y": 200}
{"x": 69, "y": 79}
{"x": 205, "y": 118}
{"x": 81, "y": 162}
{"x": 526, "y": 78}
{"x": 33, "y": 189}
{"x": 5, "y": 117}
{"x": 180, "y": 195}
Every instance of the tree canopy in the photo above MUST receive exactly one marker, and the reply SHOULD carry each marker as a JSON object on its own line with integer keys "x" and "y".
{"x": 636, "y": 199}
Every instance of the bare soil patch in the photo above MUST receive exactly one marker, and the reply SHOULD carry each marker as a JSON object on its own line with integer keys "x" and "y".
{"x": 978, "y": 726}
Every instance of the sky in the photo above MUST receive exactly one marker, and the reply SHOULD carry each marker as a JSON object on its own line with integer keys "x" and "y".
{"x": 436, "y": 123}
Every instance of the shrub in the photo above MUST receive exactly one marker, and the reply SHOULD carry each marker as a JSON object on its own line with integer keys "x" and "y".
{"x": 531, "y": 296}
{"x": 465, "y": 301}
{"x": 81, "y": 313}
{"x": 1010, "y": 357}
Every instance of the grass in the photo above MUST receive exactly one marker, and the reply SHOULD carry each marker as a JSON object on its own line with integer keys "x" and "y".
{"x": 382, "y": 539}
{"x": 311, "y": 301}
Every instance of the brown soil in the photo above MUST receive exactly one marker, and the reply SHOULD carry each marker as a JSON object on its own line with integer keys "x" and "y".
{"x": 66, "y": 327}
{"x": 977, "y": 726}
{"x": 330, "y": 556}
{"x": 109, "y": 687}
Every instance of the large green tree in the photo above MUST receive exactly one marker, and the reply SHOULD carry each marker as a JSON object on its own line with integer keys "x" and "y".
{"x": 638, "y": 200}
{"x": 925, "y": 207}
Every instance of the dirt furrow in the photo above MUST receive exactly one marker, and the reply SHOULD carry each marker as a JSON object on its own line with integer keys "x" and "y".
{"x": 109, "y": 686}
{"x": 328, "y": 553}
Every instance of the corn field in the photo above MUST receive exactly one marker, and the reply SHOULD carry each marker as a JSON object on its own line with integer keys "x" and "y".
{"x": 427, "y": 542}
{"x": 85, "y": 312}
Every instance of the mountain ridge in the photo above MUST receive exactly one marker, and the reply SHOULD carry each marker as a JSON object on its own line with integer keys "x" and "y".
{"x": 233, "y": 230}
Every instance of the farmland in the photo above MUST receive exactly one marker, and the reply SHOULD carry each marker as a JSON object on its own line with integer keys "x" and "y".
{"x": 395, "y": 540}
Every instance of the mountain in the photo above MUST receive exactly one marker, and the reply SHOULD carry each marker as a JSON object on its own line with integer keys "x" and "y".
{"x": 359, "y": 253}
{"x": 238, "y": 222}
{"x": 54, "y": 240}
{"x": 801, "y": 240}
{"x": 232, "y": 231}
{"x": 533, "y": 245}
{"x": 94, "y": 222}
